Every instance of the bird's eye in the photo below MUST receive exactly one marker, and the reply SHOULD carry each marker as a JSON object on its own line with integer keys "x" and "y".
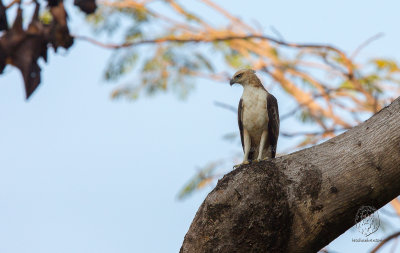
{"x": 239, "y": 75}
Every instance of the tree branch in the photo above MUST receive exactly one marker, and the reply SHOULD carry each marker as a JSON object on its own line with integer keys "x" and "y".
{"x": 364, "y": 44}
{"x": 396, "y": 205}
{"x": 226, "y": 106}
{"x": 203, "y": 38}
{"x": 385, "y": 241}
{"x": 302, "y": 201}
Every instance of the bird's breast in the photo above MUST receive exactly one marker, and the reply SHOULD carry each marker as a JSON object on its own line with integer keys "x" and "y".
{"x": 255, "y": 114}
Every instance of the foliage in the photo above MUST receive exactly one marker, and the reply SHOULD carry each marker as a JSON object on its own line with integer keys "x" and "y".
{"x": 166, "y": 46}
{"x": 202, "y": 178}
{"x": 160, "y": 46}
{"x": 168, "y": 33}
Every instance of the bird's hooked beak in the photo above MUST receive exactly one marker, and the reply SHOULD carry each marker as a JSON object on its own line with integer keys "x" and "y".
{"x": 232, "y": 81}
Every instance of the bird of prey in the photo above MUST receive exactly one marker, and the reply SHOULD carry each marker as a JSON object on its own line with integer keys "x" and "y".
{"x": 258, "y": 117}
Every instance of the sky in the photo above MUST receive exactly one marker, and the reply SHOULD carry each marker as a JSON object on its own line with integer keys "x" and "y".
{"x": 80, "y": 172}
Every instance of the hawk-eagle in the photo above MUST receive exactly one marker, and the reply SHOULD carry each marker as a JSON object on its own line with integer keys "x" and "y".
{"x": 258, "y": 117}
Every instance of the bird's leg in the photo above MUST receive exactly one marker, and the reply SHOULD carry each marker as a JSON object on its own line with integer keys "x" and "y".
{"x": 262, "y": 144}
{"x": 247, "y": 145}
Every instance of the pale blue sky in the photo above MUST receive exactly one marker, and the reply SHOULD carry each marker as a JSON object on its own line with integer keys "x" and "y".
{"x": 82, "y": 173}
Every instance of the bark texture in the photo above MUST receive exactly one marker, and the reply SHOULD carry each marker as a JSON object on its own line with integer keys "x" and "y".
{"x": 302, "y": 201}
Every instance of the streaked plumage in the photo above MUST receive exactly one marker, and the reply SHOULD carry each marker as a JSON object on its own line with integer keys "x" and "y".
{"x": 258, "y": 117}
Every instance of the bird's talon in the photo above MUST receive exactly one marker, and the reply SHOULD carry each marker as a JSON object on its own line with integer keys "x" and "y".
{"x": 240, "y": 164}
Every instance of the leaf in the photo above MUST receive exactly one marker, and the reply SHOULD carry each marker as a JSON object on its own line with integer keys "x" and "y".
{"x": 230, "y": 136}
{"x": 203, "y": 183}
{"x": 206, "y": 63}
{"x": 104, "y": 20}
{"x": 305, "y": 116}
{"x": 121, "y": 63}
{"x": 200, "y": 180}
{"x": 371, "y": 83}
{"x": 234, "y": 59}
{"x": 347, "y": 85}
{"x": 133, "y": 33}
{"x": 308, "y": 140}
{"x": 386, "y": 64}
{"x": 275, "y": 52}
{"x": 46, "y": 17}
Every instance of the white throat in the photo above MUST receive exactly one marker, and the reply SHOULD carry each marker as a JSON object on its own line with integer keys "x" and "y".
{"x": 251, "y": 92}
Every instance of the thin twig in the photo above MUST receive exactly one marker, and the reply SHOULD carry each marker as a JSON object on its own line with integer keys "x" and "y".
{"x": 225, "y": 106}
{"x": 385, "y": 241}
{"x": 277, "y": 33}
{"x": 312, "y": 133}
{"x": 225, "y": 13}
{"x": 12, "y": 3}
{"x": 365, "y": 43}
{"x": 394, "y": 245}
{"x": 396, "y": 205}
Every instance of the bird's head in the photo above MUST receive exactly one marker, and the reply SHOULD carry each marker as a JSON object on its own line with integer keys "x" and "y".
{"x": 243, "y": 77}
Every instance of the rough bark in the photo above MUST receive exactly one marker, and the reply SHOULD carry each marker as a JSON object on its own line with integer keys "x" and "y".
{"x": 302, "y": 201}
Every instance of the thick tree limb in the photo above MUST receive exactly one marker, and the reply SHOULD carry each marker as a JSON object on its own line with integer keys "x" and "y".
{"x": 302, "y": 201}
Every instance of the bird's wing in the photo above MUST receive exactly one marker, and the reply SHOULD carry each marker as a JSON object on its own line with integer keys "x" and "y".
{"x": 273, "y": 123}
{"x": 240, "y": 113}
